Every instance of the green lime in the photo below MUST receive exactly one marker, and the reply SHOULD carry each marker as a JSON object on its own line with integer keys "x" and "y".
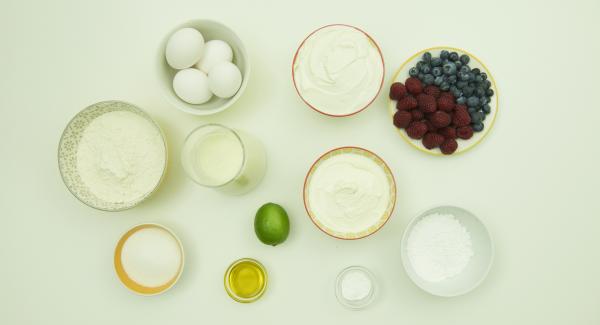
{"x": 271, "y": 224}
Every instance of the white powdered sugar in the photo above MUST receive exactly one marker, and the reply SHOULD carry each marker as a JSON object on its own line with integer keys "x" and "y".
{"x": 121, "y": 157}
{"x": 439, "y": 247}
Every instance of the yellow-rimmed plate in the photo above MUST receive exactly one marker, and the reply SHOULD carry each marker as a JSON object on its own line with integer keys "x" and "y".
{"x": 384, "y": 217}
{"x": 463, "y": 145}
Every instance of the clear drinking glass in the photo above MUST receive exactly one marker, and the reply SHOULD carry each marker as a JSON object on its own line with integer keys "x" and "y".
{"x": 219, "y": 157}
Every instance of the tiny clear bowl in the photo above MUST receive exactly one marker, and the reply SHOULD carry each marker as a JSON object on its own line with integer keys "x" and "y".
{"x": 358, "y": 304}
{"x": 231, "y": 292}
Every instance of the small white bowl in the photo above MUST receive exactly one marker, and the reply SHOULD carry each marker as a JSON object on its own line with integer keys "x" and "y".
{"x": 210, "y": 30}
{"x": 476, "y": 270}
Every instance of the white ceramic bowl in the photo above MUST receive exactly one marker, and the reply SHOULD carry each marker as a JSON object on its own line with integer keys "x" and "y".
{"x": 463, "y": 145}
{"x": 210, "y": 30}
{"x": 476, "y": 270}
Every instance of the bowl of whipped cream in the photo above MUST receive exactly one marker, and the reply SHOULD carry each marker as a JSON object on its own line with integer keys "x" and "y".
{"x": 338, "y": 70}
{"x": 349, "y": 193}
{"x": 112, "y": 156}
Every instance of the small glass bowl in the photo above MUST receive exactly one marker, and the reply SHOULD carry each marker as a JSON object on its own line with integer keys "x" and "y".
{"x": 263, "y": 273}
{"x": 355, "y": 304}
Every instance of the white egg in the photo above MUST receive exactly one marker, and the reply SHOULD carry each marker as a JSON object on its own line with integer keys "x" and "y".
{"x": 191, "y": 85}
{"x": 215, "y": 51}
{"x": 184, "y": 48}
{"x": 224, "y": 79}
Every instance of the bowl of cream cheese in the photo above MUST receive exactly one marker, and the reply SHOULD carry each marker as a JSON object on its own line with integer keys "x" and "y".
{"x": 338, "y": 70}
{"x": 349, "y": 193}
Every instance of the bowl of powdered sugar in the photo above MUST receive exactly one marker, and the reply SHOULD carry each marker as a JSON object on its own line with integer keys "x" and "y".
{"x": 112, "y": 156}
{"x": 447, "y": 251}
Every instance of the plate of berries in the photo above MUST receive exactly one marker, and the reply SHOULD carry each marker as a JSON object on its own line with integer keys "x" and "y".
{"x": 443, "y": 101}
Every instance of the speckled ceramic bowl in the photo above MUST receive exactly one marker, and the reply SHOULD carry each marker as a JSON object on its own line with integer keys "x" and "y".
{"x": 67, "y": 154}
{"x": 384, "y": 217}
{"x": 463, "y": 145}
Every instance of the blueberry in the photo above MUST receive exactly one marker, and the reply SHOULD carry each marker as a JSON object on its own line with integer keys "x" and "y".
{"x": 478, "y": 78}
{"x": 458, "y": 65}
{"x": 421, "y": 76}
{"x": 473, "y": 101}
{"x": 472, "y": 110}
{"x": 477, "y": 127}
{"x": 444, "y": 55}
{"x": 438, "y": 80}
{"x": 465, "y": 59}
{"x": 486, "y": 84}
{"x": 468, "y": 91}
{"x": 485, "y": 100}
{"x": 445, "y": 86}
{"x": 461, "y": 84}
{"x": 436, "y": 62}
{"x": 453, "y": 56}
{"x": 464, "y": 69}
{"x": 484, "y": 76}
{"x": 487, "y": 109}
{"x": 476, "y": 71}
{"x": 419, "y": 65}
{"x": 456, "y": 92}
{"x": 477, "y": 117}
{"x": 451, "y": 79}
{"x": 463, "y": 76}
{"x": 489, "y": 92}
{"x": 461, "y": 100}
{"x": 428, "y": 79}
{"x": 426, "y": 68}
{"x": 437, "y": 71}
{"x": 426, "y": 56}
{"x": 479, "y": 92}
{"x": 449, "y": 68}
{"x": 413, "y": 72}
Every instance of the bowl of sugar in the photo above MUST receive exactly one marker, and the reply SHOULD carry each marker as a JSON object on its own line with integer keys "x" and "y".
{"x": 149, "y": 259}
{"x": 447, "y": 251}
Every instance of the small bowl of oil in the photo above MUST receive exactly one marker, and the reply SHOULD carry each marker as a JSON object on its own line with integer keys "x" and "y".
{"x": 246, "y": 280}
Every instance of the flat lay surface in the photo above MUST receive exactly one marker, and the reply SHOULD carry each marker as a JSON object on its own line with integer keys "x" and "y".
{"x": 533, "y": 180}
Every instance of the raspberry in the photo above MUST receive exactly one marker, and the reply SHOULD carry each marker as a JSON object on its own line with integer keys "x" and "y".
{"x": 402, "y": 119}
{"x": 461, "y": 118}
{"x": 445, "y": 103}
{"x": 448, "y": 132}
{"x": 460, "y": 107}
{"x": 397, "y": 90}
{"x": 430, "y": 126}
{"x": 414, "y": 86}
{"x": 464, "y": 132}
{"x": 432, "y": 140}
{"x": 449, "y": 146}
{"x": 448, "y": 95}
{"x": 440, "y": 119}
{"x": 416, "y": 130}
{"x": 417, "y": 115}
{"x": 407, "y": 103}
{"x": 432, "y": 90}
{"x": 426, "y": 103}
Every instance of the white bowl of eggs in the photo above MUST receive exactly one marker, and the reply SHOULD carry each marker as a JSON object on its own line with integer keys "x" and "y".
{"x": 203, "y": 67}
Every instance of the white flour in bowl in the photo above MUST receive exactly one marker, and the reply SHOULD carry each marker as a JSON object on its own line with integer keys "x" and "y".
{"x": 439, "y": 247}
{"x": 121, "y": 157}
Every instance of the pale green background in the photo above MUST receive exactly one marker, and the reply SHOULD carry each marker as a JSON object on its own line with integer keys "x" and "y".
{"x": 534, "y": 180}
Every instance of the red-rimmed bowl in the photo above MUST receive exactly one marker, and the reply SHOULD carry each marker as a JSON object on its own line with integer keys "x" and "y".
{"x": 324, "y": 110}
{"x": 385, "y": 216}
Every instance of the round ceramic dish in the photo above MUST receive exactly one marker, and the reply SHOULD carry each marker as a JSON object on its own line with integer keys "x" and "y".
{"x": 67, "y": 154}
{"x": 358, "y": 304}
{"x": 463, "y": 145}
{"x": 131, "y": 284}
{"x": 321, "y": 110}
{"x": 384, "y": 217}
{"x": 263, "y": 274}
{"x": 476, "y": 270}
{"x": 210, "y": 30}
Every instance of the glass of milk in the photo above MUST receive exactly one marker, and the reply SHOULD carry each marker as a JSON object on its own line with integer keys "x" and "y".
{"x": 228, "y": 160}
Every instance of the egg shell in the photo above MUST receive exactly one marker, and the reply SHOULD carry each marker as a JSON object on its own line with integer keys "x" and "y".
{"x": 215, "y": 51}
{"x": 184, "y": 48}
{"x": 191, "y": 85}
{"x": 224, "y": 79}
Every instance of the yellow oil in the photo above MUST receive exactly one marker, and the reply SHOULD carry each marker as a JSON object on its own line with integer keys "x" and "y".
{"x": 246, "y": 279}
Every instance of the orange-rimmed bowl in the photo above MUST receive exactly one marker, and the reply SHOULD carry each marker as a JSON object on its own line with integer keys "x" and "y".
{"x": 320, "y": 109}
{"x": 463, "y": 145}
{"x": 385, "y": 215}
